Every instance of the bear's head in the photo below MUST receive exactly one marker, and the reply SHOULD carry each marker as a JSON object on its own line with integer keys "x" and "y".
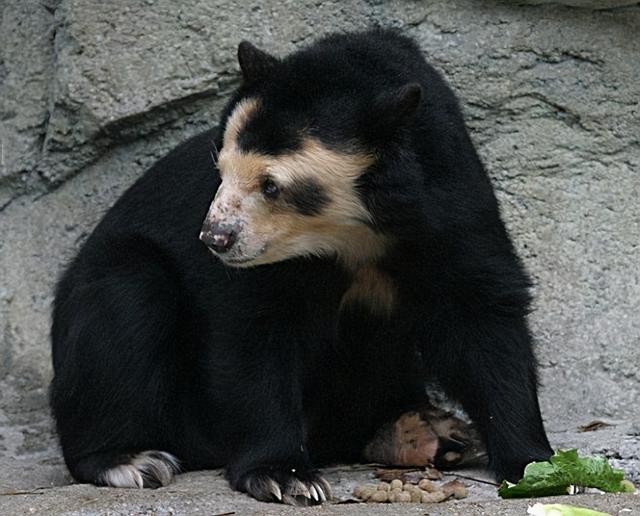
{"x": 301, "y": 149}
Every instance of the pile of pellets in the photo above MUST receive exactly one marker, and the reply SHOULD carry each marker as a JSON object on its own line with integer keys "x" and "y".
{"x": 397, "y": 491}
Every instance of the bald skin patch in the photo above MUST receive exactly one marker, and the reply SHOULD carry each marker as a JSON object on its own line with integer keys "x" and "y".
{"x": 318, "y": 210}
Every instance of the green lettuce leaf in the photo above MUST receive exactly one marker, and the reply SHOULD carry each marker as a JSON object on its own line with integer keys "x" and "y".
{"x": 563, "y": 470}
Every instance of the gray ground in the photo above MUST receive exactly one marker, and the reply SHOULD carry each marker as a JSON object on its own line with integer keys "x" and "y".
{"x": 32, "y": 485}
{"x": 92, "y": 92}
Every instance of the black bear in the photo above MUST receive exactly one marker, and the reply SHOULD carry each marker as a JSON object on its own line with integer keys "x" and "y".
{"x": 280, "y": 304}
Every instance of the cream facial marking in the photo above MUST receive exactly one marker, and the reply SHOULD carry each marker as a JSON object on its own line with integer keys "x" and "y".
{"x": 242, "y": 113}
{"x": 317, "y": 211}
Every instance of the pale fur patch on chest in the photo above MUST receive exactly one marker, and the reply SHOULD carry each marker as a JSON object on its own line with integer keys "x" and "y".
{"x": 372, "y": 288}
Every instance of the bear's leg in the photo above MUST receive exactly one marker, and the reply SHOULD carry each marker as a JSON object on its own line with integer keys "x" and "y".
{"x": 486, "y": 361}
{"x": 372, "y": 403}
{"x": 368, "y": 381}
{"x": 114, "y": 337}
{"x": 269, "y": 458}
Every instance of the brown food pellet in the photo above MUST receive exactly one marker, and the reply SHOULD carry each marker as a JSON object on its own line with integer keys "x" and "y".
{"x": 369, "y": 493}
{"x": 403, "y": 497}
{"x": 427, "y": 485}
{"x": 455, "y": 488}
{"x": 384, "y": 486}
{"x": 396, "y": 484}
{"x": 434, "y": 497}
{"x": 359, "y": 491}
{"x": 364, "y": 491}
{"x": 379, "y": 497}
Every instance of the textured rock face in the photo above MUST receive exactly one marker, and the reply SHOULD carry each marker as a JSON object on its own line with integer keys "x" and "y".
{"x": 92, "y": 92}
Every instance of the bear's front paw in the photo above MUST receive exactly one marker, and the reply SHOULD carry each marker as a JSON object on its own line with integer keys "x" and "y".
{"x": 285, "y": 485}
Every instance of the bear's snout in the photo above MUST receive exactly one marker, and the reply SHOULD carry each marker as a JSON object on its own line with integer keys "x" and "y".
{"x": 219, "y": 237}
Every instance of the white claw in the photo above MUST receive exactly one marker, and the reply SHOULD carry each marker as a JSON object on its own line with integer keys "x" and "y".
{"x": 326, "y": 489}
{"x": 314, "y": 493}
{"x": 299, "y": 489}
{"x": 290, "y": 500}
{"x": 305, "y": 490}
{"x": 320, "y": 492}
{"x": 275, "y": 489}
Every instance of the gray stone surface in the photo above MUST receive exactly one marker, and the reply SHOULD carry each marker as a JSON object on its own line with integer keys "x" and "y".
{"x": 589, "y": 4}
{"x": 92, "y": 92}
{"x": 206, "y": 493}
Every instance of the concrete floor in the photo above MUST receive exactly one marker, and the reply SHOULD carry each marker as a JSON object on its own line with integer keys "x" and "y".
{"x": 208, "y": 493}
{"x": 33, "y": 480}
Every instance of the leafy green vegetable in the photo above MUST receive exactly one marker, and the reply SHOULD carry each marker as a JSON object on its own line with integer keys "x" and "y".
{"x": 563, "y": 470}
{"x": 558, "y": 509}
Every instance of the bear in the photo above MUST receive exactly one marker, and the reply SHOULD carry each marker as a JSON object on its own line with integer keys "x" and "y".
{"x": 273, "y": 295}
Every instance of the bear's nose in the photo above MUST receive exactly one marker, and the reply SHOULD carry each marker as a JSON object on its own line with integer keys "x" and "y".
{"x": 219, "y": 238}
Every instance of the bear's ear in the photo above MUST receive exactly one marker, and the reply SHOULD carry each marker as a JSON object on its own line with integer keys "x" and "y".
{"x": 254, "y": 63}
{"x": 394, "y": 108}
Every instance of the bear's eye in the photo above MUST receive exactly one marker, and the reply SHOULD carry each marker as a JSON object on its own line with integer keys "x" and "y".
{"x": 270, "y": 189}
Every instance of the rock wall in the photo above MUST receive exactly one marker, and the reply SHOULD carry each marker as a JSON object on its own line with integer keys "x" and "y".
{"x": 92, "y": 92}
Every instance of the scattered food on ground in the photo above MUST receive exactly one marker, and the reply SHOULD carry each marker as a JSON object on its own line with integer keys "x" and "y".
{"x": 418, "y": 490}
{"x": 412, "y": 476}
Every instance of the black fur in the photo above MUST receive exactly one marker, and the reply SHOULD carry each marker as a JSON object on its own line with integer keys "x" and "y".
{"x": 272, "y": 134}
{"x": 306, "y": 196}
{"x": 157, "y": 346}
